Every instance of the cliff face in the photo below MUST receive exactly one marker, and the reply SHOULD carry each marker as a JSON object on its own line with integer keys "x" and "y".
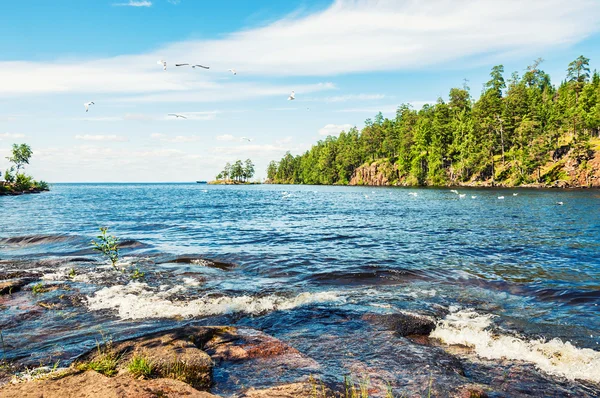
{"x": 564, "y": 170}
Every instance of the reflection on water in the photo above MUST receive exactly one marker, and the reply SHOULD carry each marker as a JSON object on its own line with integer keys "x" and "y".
{"x": 520, "y": 274}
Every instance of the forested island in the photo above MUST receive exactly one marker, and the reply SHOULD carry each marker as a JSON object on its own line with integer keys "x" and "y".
{"x": 16, "y": 182}
{"x": 523, "y": 131}
{"x": 237, "y": 173}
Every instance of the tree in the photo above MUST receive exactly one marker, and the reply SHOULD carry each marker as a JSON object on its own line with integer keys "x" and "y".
{"x": 226, "y": 171}
{"x": 20, "y": 156}
{"x": 248, "y": 169}
{"x": 237, "y": 170}
{"x": 272, "y": 171}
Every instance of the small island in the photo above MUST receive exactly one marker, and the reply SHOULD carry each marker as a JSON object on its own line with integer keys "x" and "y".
{"x": 235, "y": 174}
{"x": 16, "y": 182}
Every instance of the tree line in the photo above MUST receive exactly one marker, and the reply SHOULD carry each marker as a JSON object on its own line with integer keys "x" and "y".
{"x": 15, "y": 180}
{"x": 506, "y": 135}
{"x": 238, "y": 171}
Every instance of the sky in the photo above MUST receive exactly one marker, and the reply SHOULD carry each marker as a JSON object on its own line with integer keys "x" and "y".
{"x": 346, "y": 60}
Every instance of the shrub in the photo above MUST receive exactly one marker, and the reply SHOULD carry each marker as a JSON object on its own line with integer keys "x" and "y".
{"x": 108, "y": 245}
{"x": 23, "y": 182}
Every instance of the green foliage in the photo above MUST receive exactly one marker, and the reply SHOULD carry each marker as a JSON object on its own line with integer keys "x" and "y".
{"x": 108, "y": 245}
{"x": 506, "y": 136}
{"x": 140, "y": 366}
{"x": 39, "y": 288}
{"x": 9, "y": 175}
{"x": 23, "y": 182}
{"x": 137, "y": 274}
{"x": 105, "y": 361}
{"x": 239, "y": 171}
{"x": 20, "y": 155}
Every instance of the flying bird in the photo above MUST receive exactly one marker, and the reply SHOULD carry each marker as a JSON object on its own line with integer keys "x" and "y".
{"x": 473, "y": 197}
{"x": 246, "y": 139}
{"x": 232, "y": 71}
{"x": 560, "y": 203}
{"x": 515, "y": 194}
{"x": 163, "y": 63}
{"x": 454, "y": 191}
{"x": 412, "y": 194}
{"x": 462, "y": 195}
{"x": 177, "y": 115}
{"x": 500, "y": 197}
{"x": 292, "y": 96}
{"x": 87, "y": 105}
{"x": 194, "y": 66}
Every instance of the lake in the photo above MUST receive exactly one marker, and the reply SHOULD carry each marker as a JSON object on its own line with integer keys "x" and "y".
{"x": 516, "y": 280}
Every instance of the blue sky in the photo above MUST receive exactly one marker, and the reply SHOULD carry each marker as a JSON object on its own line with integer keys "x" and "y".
{"x": 345, "y": 59}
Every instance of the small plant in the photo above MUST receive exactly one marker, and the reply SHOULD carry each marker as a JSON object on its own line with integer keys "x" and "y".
{"x": 108, "y": 245}
{"x": 137, "y": 274}
{"x": 105, "y": 362}
{"x": 39, "y": 288}
{"x": 72, "y": 273}
{"x": 140, "y": 366}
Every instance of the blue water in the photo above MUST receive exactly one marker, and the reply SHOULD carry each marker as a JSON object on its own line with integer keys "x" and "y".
{"x": 533, "y": 264}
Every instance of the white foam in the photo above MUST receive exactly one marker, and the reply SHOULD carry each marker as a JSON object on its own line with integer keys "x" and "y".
{"x": 555, "y": 357}
{"x": 137, "y": 301}
{"x": 191, "y": 281}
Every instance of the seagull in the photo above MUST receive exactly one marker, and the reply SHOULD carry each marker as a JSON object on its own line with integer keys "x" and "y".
{"x": 177, "y": 115}
{"x": 515, "y": 194}
{"x": 473, "y": 197}
{"x": 246, "y": 139}
{"x": 560, "y": 203}
{"x": 462, "y": 195}
{"x": 232, "y": 71}
{"x": 194, "y": 66}
{"x": 87, "y": 105}
{"x": 163, "y": 63}
{"x": 500, "y": 197}
{"x": 412, "y": 194}
{"x": 292, "y": 96}
{"x": 454, "y": 191}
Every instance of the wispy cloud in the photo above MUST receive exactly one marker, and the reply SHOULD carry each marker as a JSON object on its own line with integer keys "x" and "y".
{"x": 385, "y": 109}
{"x": 334, "y": 129}
{"x": 352, "y": 97}
{"x": 175, "y": 139}
{"x": 134, "y": 3}
{"x": 100, "y": 137}
{"x": 225, "y": 137}
{"x": 11, "y": 135}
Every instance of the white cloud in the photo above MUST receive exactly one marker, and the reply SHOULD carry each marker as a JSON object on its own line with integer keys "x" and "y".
{"x": 106, "y": 138}
{"x": 176, "y": 138}
{"x": 225, "y": 137}
{"x": 208, "y": 115}
{"x": 385, "y": 109}
{"x": 11, "y": 135}
{"x": 334, "y": 129}
{"x": 351, "y": 36}
{"x": 353, "y": 97}
{"x": 134, "y": 3}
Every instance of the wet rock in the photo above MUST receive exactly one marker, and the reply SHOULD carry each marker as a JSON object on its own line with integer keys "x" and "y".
{"x": 94, "y": 385}
{"x": 404, "y": 324}
{"x": 13, "y": 285}
{"x": 293, "y": 390}
{"x": 471, "y": 391}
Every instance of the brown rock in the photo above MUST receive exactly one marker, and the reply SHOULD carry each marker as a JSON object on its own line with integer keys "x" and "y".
{"x": 13, "y": 285}
{"x": 295, "y": 390}
{"x": 403, "y": 323}
{"x": 94, "y": 385}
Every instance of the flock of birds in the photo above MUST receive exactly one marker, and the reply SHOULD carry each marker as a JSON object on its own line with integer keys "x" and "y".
{"x": 460, "y": 195}
{"x": 163, "y": 63}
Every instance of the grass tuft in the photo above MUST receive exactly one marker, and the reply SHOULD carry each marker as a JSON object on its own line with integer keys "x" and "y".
{"x": 140, "y": 366}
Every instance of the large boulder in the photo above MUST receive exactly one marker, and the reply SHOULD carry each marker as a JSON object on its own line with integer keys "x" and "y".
{"x": 403, "y": 323}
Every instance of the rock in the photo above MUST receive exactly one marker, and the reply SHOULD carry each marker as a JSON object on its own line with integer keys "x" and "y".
{"x": 404, "y": 324}
{"x": 294, "y": 390}
{"x": 91, "y": 384}
{"x": 13, "y": 285}
{"x": 172, "y": 354}
{"x": 471, "y": 391}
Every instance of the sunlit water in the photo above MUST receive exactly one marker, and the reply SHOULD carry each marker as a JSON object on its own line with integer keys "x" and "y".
{"x": 516, "y": 279}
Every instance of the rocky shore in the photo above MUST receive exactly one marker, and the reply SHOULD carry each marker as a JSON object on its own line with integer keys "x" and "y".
{"x": 562, "y": 171}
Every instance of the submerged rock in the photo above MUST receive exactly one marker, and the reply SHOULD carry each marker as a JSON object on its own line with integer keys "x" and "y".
{"x": 294, "y": 390}
{"x": 404, "y": 324}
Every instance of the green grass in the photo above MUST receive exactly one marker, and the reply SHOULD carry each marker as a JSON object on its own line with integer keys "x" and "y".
{"x": 105, "y": 362}
{"x": 39, "y": 288}
{"x": 140, "y": 366}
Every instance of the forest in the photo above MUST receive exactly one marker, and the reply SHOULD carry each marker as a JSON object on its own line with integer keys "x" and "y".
{"x": 237, "y": 172}
{"x": 505, "y": 137}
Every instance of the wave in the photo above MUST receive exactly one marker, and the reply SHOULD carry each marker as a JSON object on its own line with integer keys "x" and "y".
{"x": 35, "y": 239}
{"x": 138, "y": 301}
{"x": 471, "y": 329}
